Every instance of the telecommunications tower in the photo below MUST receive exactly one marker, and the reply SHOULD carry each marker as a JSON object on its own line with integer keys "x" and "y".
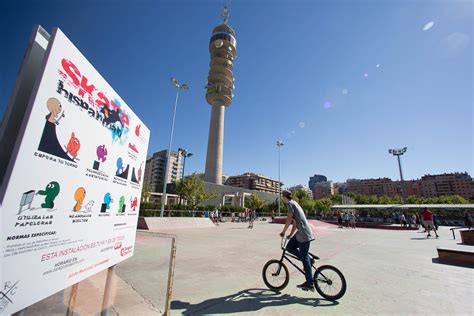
{"x": 220, "y": 87}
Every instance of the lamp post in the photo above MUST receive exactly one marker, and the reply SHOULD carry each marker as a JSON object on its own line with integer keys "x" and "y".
{"x": 279, "y": 144}
{"x": 178, "y": 88}
{"x": 398, "y": 152}
{"x": 185, "y": 154}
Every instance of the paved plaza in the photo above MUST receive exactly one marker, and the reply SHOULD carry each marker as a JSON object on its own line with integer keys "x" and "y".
{"x": 218, "y": 271}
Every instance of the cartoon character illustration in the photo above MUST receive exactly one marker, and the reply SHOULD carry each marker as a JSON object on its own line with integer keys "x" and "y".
{"x": 121, "y": 204}
{"x": 134, "y": 204}
{"x": 55, "y": 111}
{"x": 134, "y": 178}
{"x": 111, "y": 116}
{"x": 49, "y": 142}
{"x": 101, "y": 153}
{"x": 89, "y": 206}
{"x": 140, "y": 171}
{"x": 73, "y": 146}
{"x": 79, "y": 196}
{"x": 133, "y": 147}
{"x": 107, "y": 200}
{"x": 50, "y": 192}
{"x": 119, "y": 166}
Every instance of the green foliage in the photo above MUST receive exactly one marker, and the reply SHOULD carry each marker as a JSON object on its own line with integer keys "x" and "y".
{"x": 254, "y": 202}
{"x": 336, "y": 199}
{"x": 150, "y": 206}
{"x": 145, "y": 193}
{"x": 322, "y": 205}
{"x": 303, "y": 199}
{"x": 192, "y": 190}
{"x": 273, "y": 206}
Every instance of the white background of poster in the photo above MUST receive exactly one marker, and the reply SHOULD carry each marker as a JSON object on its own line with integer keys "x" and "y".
{"x": 106, "y": 238}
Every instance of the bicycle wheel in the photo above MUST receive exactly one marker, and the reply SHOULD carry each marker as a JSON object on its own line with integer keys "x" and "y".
{"x": 329, "y": 282}
{"x": 275, "y": 275}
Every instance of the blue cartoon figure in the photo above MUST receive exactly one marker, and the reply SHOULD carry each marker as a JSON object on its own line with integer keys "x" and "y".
{"x": 107, "y": 200}
{"x": 51, "y": 192}
{"x": 119, "y": 166}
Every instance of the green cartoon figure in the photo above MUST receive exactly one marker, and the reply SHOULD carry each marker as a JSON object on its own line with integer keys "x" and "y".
{"x": 121, "y": 204}
{"x": 51, "y": 192}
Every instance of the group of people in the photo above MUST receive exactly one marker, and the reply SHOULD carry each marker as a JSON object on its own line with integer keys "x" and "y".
{"x": 346, "y": 219}
{"x": 246, "y": 216}
{"x": 214, "y": 215}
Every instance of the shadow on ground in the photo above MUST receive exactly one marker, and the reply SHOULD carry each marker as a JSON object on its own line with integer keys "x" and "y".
{"x": 456, "y": 264}
{"x": 249, "y": 300}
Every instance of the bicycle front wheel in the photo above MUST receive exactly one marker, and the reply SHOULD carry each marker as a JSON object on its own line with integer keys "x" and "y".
{"x": 275, "y": 275}
{"x": 330, "y": 282}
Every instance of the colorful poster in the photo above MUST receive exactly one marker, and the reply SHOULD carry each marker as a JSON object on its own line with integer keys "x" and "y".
{"x": 70, "y": 207}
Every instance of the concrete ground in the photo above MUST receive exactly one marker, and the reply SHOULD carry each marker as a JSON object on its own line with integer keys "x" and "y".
{"x": 218, "y": 271}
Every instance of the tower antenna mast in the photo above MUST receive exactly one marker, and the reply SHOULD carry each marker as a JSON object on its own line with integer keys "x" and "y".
{"x": 225, "y": 15}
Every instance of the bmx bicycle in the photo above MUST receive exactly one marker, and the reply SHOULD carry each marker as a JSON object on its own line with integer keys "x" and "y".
{"x": 328, "y": 280}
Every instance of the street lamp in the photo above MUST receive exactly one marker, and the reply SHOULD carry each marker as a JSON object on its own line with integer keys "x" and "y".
{"x": 279, "y": 144}
{"x": 185, "y": 154}
{"x": 178, "y": 88}
{"x": 398, "y": 152}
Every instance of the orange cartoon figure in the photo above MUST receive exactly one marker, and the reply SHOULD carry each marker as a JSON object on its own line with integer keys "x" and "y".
{"x": 73, "y": 146}
{"x": 79, "y": 196}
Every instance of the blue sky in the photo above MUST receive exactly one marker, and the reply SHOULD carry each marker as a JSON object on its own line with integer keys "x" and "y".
{"x": 306, "y": 73}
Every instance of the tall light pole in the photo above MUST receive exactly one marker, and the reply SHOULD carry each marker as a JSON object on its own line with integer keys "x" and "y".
{"x": 279, "y": 144}
{"x": 398, "y": 152}
{"x": 178, "y": 88}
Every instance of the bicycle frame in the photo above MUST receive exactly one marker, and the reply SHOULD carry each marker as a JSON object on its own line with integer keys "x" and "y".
{"x": 286, "y": 256}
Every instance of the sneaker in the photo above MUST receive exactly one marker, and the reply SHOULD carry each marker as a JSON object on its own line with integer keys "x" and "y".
{"x": 305, "y": 287}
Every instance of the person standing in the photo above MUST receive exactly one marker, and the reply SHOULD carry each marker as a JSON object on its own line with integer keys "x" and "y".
{"x": 427, "y": 216}
{"x": 251, "y": 218}
{"x": 300, "y": 242}
{"x": 339, "y": 219}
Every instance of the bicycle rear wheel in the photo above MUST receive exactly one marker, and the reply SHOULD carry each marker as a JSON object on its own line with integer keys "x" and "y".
{"x": 275, "y": 275}
{"x": 330, "y": 282}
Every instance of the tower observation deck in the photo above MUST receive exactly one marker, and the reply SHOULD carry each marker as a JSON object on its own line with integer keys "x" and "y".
{"x": 219, "y": 94}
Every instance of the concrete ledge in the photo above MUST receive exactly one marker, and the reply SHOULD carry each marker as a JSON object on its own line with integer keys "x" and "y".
{"x": 161, "y": 223}
{"x": 465, "y": 257}
{"x": 467, "y": 237}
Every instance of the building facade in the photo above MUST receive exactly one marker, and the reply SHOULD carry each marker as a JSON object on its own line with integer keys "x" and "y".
{"x": 459, "y": 183}
{"x": 380, "y": 186}
{"x": 447, "y": 184}
{"x": 155, "y": 172}
{"x": 315, "y": 179}
{"x": 254, "y": 182}
{"x": 323, "y": 189}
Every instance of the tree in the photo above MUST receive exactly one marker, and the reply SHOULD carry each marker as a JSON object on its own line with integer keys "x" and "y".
{"x": 254, "y": 202}
{"x": 192, "y": 190}
{"x": 303, "y": 199}
{"x": 145, "y": 193}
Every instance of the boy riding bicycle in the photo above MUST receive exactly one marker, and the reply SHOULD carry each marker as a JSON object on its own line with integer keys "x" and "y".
{"x": 300, "y": 242}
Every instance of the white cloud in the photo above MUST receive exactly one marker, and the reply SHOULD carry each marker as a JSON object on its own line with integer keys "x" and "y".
{"x": 428, "y": 26}
{"x": 454, "y": 43}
